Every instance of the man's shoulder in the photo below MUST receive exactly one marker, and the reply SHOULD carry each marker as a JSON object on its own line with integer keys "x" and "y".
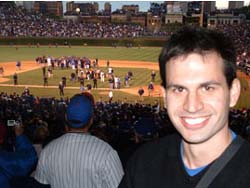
{"x": 245, "y": 150}
{"x": 85, "y": 139}
{"x": 237, "y": 170}
{"x": 52, "y": 144}
{"x": 242, "y": 158}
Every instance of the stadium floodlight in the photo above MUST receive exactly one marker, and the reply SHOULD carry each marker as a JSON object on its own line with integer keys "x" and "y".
{"x": 78, "y": 10}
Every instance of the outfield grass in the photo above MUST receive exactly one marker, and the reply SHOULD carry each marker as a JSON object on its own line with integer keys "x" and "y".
{"x": 23, "y": 53}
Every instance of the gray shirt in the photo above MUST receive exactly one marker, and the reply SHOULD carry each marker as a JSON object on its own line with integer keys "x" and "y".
{"x": 78, "y": 160}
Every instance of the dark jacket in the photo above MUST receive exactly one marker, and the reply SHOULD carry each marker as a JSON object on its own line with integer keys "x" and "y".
{"x": 159, "y": 164}
{"x": 17, "y": 163}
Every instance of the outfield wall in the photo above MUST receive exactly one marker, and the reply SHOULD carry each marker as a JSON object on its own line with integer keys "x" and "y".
{"x": 136, "y": 42}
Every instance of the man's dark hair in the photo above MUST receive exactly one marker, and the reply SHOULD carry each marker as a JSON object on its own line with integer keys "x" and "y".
{"x": 199, "y": 40}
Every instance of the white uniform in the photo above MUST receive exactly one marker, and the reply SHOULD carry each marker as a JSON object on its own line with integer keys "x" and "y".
{"x": 102, "y": 75}
{"x": 77, "y": 160}
{"x": 49, "y": 61}
{"x": 110, "y": 94}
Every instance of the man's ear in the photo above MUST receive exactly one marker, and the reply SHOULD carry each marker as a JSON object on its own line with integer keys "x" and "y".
{"x": 235, "y": 92}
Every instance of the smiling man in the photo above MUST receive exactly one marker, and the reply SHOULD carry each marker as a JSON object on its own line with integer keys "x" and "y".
{"x": 198, "y": 73}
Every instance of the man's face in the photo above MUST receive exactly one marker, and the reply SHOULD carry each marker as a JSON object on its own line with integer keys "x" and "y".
{"x": 198, "y": 97}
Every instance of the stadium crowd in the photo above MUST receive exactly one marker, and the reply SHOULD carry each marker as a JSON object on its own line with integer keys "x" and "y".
{"x": 241, "y": 35}
{"x": 114, "y": 122}
{"x": 23, "y": 24}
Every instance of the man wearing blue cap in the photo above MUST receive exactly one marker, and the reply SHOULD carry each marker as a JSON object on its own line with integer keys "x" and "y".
{"x": 78, "y": 159}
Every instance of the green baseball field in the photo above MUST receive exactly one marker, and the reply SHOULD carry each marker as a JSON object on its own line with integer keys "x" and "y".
{"x": 140, "y": 61}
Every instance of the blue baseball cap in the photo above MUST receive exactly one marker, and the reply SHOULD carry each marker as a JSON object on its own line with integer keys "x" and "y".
{"x": 80, "y": 110}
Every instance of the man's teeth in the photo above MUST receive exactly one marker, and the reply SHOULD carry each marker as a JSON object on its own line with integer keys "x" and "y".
{"x": 193, "y": 121}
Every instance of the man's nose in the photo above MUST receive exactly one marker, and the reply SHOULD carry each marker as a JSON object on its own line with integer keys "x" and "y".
{"x": 193, "y": 102}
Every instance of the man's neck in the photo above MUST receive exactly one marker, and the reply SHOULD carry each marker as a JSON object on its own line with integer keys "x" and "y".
{"x": 77, "y": 130}
{"x": 198, "y": 155}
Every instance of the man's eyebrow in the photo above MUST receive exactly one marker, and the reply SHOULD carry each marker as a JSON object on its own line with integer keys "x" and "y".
{"x": 201, "y": 85}
{"x": 210, "y": 83}
{"x": 174, "y": 85}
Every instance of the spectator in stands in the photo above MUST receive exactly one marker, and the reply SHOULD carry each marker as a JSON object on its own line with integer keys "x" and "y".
{"x": 145, "y": 128}
{"x": 52, "y": 111}
{"x": 41, "y": 133}
{"x": 19, "y": 162}
{"x": 82, "y": 88}
{"x": 198, "y": 71}
{"x": 26, "y": 91}
{"x": 89, "y": 87}
{"x": 78, "y": 159}
{"x": 25, "y": 23}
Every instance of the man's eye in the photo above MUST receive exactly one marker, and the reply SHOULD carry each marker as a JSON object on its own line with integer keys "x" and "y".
{"x": 208, "y": 88}
{"x": 178, "y": 89}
